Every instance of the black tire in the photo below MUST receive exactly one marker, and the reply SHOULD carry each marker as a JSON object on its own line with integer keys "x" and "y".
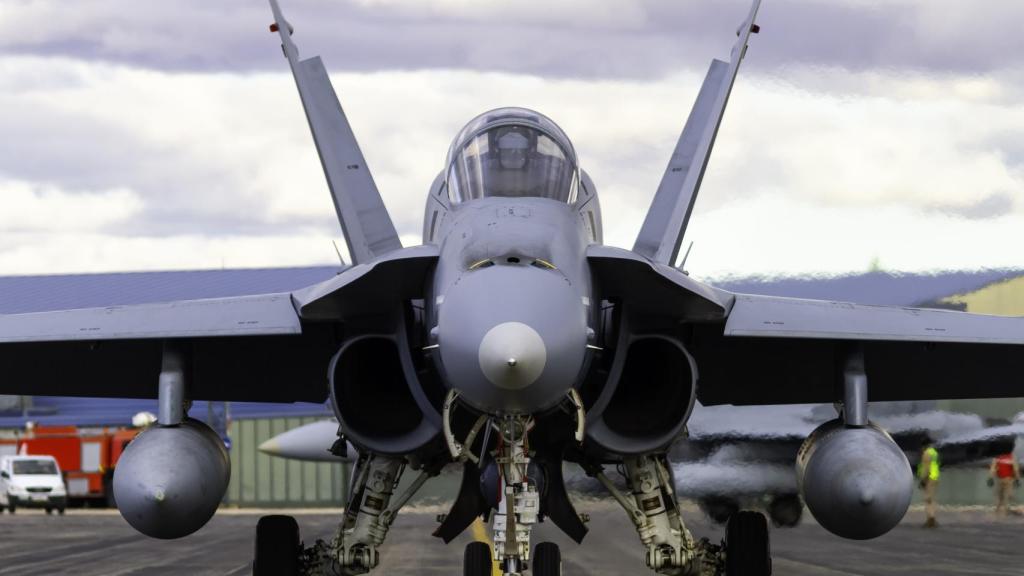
{"x": 547, "y": 559}
{"x": 12, "y": 508}
{"x": 748, "y": 551}
{"x": 477, "y": 560}
{"x": 277, "y": 547}
{"x": 60, "y": 511}
{"x": 49, "y": 511}
{"x": 108, "y": 490}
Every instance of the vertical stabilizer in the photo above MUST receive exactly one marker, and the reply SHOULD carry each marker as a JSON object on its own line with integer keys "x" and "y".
{"x": 666, "y": 221}
{"x": 364, "y": 220}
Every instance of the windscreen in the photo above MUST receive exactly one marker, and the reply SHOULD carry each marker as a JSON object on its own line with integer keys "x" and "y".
{"x": 512, "y": 152}
{"x": 34, "y": 467}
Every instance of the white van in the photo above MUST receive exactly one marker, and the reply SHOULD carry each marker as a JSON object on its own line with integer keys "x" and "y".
{"x": 32, "y": 481}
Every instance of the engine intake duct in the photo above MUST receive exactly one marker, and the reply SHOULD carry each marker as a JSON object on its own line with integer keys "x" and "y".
{"x": 377, "y": 397}
{"x": 856, "y": 481}
{"x": 648, "y": 399}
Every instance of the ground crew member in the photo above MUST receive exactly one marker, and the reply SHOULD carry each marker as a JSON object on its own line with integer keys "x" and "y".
{"x": 928, "y": 480}
{"x": 1005, "y": 475}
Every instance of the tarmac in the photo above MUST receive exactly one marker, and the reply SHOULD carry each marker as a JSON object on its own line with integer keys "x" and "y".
{"x": 87, "y": 543}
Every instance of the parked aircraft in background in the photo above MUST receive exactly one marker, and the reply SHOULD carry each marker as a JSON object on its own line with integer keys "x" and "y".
{"x": 510, "y": 342}
{"x": 313, "y": 442}
{"x": 743, "y": 457}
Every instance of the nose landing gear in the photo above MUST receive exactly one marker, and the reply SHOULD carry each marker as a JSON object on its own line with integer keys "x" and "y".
{"x": 519, "y": 507}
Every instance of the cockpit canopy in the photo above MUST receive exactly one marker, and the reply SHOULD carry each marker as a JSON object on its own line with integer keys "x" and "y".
{"x": 512, "y": 152}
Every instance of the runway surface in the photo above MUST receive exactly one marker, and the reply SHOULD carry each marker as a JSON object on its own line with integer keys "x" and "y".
{"x": 87, "y": 543}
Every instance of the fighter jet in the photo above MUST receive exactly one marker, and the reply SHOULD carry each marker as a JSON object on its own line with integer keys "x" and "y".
{"x": 747, "y": 457}
{"x": 510, "y": 341}
{"x": 314, "y": 442}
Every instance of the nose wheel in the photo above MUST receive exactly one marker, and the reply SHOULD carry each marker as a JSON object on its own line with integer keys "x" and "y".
{"x": 477, "y": 560}
{"x": 547, "y": 560}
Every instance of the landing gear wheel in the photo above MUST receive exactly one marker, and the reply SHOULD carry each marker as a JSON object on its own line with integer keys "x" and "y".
{"x": 477, "y": 561}
{"x": 547, "y": 560}
{"x": 49, "y": 511}
{"x": 11, "y": 508}
{"x": 748, "y": 552}
{"x": 277, "y": 547}
{"x": 60, "y": 511}
{"x": 108, "y": 490}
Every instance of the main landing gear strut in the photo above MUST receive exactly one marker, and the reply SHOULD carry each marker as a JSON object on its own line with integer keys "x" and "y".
{"x": 670, "y": 549}
{"x": 652, "y": 506}
{"x": 371, "y": 509}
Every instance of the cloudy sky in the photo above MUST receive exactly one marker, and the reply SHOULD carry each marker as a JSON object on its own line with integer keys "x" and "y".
{"x": 146, "y": 135}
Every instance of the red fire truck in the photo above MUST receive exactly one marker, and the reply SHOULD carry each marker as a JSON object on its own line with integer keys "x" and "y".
{"x": 87, "y": 457}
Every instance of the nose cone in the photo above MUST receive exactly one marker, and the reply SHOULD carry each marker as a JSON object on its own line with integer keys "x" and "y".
{"x": 512, "y": 338}
{"x": 512, "y": 355}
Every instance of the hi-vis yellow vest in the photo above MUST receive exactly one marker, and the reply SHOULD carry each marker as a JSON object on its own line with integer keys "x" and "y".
{"x": 933, "y": 464}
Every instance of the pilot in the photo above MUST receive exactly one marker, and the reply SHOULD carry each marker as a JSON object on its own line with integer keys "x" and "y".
{"x": 1005, "y": 475}
{"x": 513, "y": 168}
{"x": 513, "y": 150}
{"x": 511, "y": 154}
{"x": 928, "y": 479}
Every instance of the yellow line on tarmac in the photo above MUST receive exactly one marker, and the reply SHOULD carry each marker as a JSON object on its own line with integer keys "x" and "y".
{"x": 480, "y": 535}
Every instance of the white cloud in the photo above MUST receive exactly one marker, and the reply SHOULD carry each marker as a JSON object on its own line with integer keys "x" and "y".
{"x": 227, "y": 157}
{"x": 58, "y": 252}
{"x": 609, "y": 38}
{"x": 778, "y": 235}
{"x": 566, "y": 12}
{"x": 31, "y": 207}
{"x": 931, "y": 151}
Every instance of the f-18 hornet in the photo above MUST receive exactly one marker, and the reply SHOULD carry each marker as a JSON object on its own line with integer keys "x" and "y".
{"x": 510, "y": 342}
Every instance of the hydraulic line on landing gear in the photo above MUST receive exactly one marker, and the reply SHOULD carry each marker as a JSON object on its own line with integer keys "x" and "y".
{"x": 519, "y": 507}
{"x": 654, "y": 510}
{"x": 368, "y": 516}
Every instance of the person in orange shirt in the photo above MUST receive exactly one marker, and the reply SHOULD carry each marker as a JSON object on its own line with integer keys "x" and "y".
{"x": 1005, "y": 475}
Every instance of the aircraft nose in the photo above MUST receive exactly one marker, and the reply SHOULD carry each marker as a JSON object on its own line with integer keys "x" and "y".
{"x": 511, "y": 339}
{"x": 512, "y": 355}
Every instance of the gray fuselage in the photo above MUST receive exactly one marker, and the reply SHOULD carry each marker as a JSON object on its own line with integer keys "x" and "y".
{"x": 511, "y": 306}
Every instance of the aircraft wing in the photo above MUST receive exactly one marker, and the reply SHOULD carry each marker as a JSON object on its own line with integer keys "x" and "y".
{"x": 263, "y": 315}
{"x": 240, "y": 348}
{"x": 776, "y": 317}
{"x": 247, "y": 347}
{"x": 774, "y": 350}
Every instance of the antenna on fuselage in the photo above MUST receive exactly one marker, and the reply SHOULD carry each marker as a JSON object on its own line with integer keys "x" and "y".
{"x": 342, "y": 260}
{"x": 682, "y": 265}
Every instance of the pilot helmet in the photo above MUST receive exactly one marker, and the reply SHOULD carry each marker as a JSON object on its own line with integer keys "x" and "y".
{"x": 512, "y": 152}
